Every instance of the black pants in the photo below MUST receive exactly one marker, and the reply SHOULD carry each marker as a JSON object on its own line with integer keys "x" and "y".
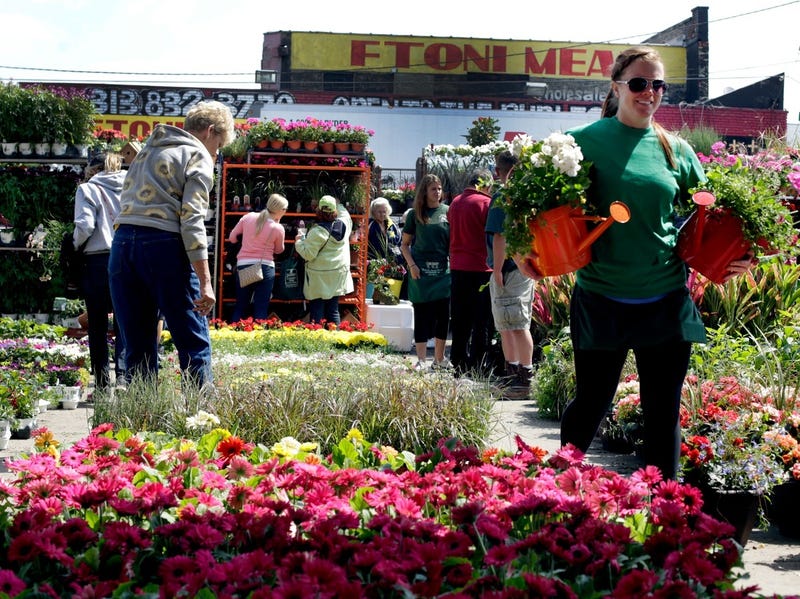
{"x": 471, "y": 324}
{"x": 97, "y": 294}
{"x": 662, "y": 369}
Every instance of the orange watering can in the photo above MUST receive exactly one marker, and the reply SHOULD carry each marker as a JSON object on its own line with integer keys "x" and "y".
{"x": 561, "y": 240}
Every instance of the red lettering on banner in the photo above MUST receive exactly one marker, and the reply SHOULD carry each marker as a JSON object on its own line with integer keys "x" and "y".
{"x": 494, "y": 54}
{"x": 443, "y": 57}
{"x": 359, "y": 54}
{"x": 546, "y": 67}
{"x": 569, "y": 61}
{"x": 402, "y": 53}
{"x": 601, "y": 63}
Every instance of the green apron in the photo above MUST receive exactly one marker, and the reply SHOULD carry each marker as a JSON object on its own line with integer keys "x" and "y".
{"x": 430, "y": 250}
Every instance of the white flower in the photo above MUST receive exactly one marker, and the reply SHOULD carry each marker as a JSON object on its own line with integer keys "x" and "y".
{"x": 202, "y": 420}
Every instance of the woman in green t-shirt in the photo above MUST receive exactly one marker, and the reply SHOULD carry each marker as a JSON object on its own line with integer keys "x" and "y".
{"x": 633, "y": 294}
{"x": 426, "y": 247}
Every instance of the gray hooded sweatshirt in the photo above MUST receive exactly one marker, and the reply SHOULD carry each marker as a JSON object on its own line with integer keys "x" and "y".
{"x": 96, "y": 206}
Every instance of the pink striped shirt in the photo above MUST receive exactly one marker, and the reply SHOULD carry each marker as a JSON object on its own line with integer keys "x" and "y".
{"x": 262, "y": 246}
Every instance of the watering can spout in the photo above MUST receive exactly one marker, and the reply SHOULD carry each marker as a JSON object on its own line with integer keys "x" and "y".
{"x": 618, "y": 212}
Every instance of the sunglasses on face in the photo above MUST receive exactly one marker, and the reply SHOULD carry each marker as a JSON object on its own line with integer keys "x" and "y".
{"x": 639, "y": 84}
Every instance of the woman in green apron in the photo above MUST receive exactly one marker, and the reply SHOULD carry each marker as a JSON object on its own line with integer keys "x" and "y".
{"x": 425, "y": 246}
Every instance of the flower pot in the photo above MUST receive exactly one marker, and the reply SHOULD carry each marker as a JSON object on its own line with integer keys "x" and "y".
{"x": 710, "y": 240}
{"x": 327, "y": 147}
{"x": 294, "y": 144}
{"x": 9, "y": 148}
{"x": 24, "y": 428}
{"x": 69, "y": 404}
{"x": 310, "y": 146}
{"x": 26, "y": 149}
{"x": 783, "y": 509}
{"x": 41, "y": 149}
{"x": 357, "y": 146}
{"x": 369, "y": 290}
{"x": 5, "y": 433}
{"x": 737, "y": 508}
{"x": 276, "y": 144}
{"x": 262, "y": 144}
{"x": 394, "y": 286}
{"x": 7, "y": 236}
{"x": 342, "y": 146}
{"x": 58, "y": 149}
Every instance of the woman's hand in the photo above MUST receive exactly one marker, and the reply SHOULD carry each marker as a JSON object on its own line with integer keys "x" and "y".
{"x": 527, "y": 267}
{"x": 414, "y": 272}
{"x": 739, "y": 267}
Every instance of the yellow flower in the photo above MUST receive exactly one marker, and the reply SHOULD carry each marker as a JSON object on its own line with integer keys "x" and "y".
{"x": 355, "y": 435}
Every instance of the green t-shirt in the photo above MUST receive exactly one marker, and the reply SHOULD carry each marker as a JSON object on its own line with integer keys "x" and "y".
{"x": 430, "y": 250}
{"x": 637, "y": 259}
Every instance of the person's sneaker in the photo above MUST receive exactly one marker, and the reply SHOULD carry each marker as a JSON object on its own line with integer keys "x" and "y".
{"x": 420, "y": 365}
{"x": 444, "y": 364}
{"x": 518, "y": 383}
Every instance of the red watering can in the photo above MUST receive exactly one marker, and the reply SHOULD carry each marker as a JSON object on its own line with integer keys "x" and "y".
{"x": 710, "y": 240}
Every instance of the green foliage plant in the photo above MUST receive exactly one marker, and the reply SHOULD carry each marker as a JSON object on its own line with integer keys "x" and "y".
{"x": 749, "y": 187}
{"x": 553, "y": 384}
{"x": 701, "y": 138}
{"x": 484, "y": 130}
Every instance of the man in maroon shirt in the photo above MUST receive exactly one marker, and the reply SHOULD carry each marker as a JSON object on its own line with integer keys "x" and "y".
{"x": 471, "y": 323}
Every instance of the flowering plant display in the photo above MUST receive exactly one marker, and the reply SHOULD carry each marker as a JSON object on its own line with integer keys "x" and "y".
{"x": 725, "y": 446}
{"x": 785, "y": 445}
{"x": 751, "y": 187}
{"x": 264, "y": 131}
{"x": 549, "y": 173}
{"x": 214, "y": 515}
{"x": 379, "y": 269}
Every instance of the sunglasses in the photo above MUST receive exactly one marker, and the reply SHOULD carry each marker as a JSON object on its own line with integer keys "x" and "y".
{"x": 639, "y": 84}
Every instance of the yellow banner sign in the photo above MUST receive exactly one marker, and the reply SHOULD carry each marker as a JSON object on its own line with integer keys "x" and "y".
{"x": 460, "y": 56}
{"x": 135, "y": 126}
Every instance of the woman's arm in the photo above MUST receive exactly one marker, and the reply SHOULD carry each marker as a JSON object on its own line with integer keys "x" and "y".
{"x": 308, "y": 246}
{"x": 405, "y": 249}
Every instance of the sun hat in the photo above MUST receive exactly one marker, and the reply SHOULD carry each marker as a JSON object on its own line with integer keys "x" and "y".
{"x": 327, "y": 204}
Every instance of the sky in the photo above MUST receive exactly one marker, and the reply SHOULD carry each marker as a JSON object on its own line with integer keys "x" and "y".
{"x": 218, "y": 44}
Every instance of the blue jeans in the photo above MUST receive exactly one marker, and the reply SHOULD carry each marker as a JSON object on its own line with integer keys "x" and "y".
{"x": 260, "y": 294}
{"x": 327, "y": 309}
{"x": 150, "y": 271}
{"x": 97, "y": 295}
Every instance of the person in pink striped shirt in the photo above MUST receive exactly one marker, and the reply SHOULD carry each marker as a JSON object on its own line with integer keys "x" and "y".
{"x": 262, "y": 239}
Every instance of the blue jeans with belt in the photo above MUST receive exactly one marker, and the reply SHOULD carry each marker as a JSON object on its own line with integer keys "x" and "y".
{"x": 150, "y": 271}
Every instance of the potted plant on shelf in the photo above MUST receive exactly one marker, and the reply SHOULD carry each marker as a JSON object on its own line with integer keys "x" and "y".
{"x": 737, "y": 210}
{"x": 262, "y": 133}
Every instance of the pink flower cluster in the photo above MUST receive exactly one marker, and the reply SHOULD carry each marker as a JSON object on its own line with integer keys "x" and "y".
{"x": 130, "y": 515}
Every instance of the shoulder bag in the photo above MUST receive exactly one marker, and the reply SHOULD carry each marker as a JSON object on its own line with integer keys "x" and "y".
{"x": 249, "y": 275}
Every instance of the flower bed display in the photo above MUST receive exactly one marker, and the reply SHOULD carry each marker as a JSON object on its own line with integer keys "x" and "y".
{"x": 217, "y": 516}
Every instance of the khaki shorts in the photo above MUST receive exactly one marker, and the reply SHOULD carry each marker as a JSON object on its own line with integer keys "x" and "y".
{"x": 511, "y": 304}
